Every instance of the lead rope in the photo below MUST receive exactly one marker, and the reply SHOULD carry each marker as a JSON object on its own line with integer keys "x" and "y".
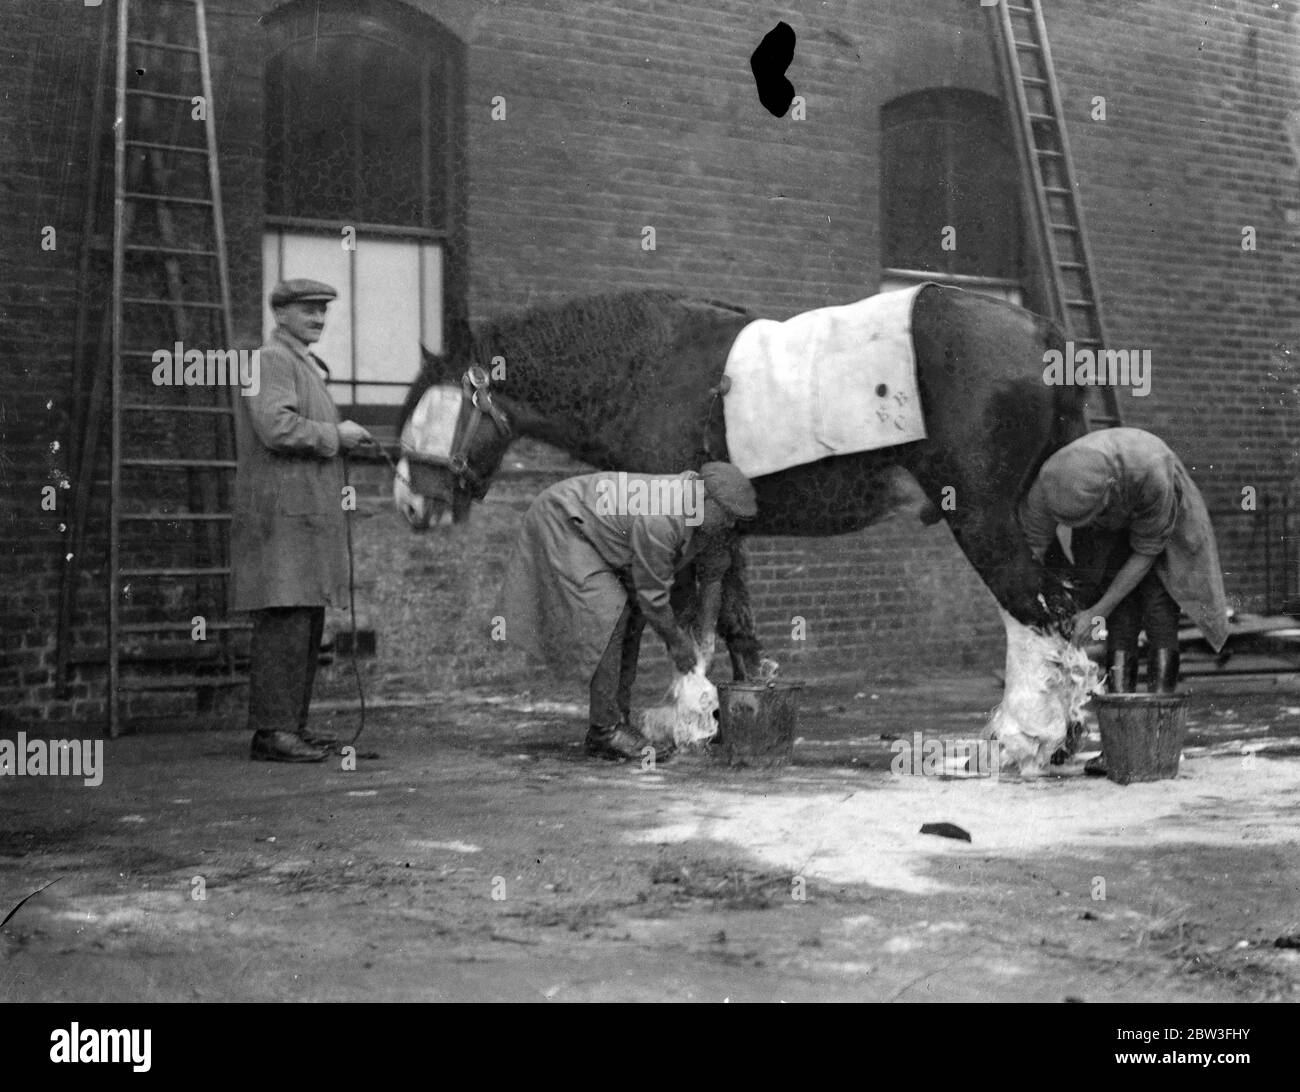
{"x": 352, "y": 588}
{"x": 352, "y": 614}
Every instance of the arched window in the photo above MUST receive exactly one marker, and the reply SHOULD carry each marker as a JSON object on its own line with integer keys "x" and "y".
{"x": 950, "y": 192}
{"x": 364, "y": 103}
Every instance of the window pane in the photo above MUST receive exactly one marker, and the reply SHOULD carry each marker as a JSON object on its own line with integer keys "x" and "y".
{"x": 947, "y": 161}
{"x": 387, "y": 281}
{"x": 376, "y": 394}
{"x": 321, "y": 258}
{"x": 394, "y": 311}
{"x": 431, "y": 312}
{"x": 345, "y": 132}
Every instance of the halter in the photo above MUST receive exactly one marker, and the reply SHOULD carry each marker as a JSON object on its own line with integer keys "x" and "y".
{"x": 475, "y": 386}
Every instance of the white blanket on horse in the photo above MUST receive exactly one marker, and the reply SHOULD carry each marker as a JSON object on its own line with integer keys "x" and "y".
{"x": 826, "y": 382}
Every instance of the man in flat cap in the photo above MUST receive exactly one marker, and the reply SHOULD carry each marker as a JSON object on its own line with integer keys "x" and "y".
{"x": 288, "y": 536}
{"x": 595, "y": 562}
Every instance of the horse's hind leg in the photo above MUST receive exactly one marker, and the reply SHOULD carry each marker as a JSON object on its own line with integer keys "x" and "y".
{"x": 736, "y": 620}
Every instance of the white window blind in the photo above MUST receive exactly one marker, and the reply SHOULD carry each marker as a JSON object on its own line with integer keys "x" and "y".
{"x": 390, "y": 302}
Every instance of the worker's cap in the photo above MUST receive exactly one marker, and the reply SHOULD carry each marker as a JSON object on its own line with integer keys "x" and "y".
{"x": 301, "y": 290}
{"x": 1077, "y": 482}
{"x": 731, "y": 489}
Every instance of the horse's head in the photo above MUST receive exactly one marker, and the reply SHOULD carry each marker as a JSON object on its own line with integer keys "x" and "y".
{"x": 454, "y": 437}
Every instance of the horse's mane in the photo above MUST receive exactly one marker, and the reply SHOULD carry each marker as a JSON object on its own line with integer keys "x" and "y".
{"x": 592, "y": 349}
{"x": 588, "y": 339}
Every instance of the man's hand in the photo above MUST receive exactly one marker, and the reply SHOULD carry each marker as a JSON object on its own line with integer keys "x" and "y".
{"x": 352, "y": 435}
{"x": 1081, "y": 625}
{"x": 681, "y": 649}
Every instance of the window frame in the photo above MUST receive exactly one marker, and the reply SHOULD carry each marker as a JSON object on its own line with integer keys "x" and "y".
{"x": 948, "y": 105}
{"x": 441, "y": 57}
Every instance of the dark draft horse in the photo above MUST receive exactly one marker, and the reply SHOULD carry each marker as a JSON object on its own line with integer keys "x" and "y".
{"x": 630, "y": 381}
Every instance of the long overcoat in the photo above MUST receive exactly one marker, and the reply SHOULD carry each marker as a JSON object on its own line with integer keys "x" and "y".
{"x": 1155, "y": 500}
{"x": 574, "y": 563}
{"x": 288, "y": 535}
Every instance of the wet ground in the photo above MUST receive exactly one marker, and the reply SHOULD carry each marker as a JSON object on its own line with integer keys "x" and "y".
{"x": 481, "y": 856}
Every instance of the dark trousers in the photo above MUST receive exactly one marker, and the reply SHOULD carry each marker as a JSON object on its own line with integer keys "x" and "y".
{"x": 282, "y": 668}
{"x": 1098, "y": 556}
{"x": 611, "y": 685}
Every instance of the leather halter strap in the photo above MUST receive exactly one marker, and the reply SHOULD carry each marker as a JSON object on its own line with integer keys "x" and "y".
{"x": 476, "y": 387}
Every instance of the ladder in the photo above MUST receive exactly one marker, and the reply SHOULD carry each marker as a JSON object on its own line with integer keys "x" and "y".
{"x": 171, "y": 446}
{"x": 1066, "y": 268}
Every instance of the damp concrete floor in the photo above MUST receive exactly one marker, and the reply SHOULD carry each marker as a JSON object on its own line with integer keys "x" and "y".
{"x": 481, "y": 856}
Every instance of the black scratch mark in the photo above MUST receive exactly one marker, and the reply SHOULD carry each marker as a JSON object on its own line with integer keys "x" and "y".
{"x": 23, "y": 901}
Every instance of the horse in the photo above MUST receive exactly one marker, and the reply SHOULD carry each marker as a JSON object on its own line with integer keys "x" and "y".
{"x": 634, "y": 380}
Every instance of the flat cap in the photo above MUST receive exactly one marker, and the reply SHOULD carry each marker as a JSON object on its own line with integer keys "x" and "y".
{"x": 301, "y": 289}
{"x": 730, "y": 488}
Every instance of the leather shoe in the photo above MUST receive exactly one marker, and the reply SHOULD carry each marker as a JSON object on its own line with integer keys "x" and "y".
{"x": 329, "y": 743}
{"x": 1096, "y": 767}
{"x": 622, "y": 743}
{"x": 283, "y": 747}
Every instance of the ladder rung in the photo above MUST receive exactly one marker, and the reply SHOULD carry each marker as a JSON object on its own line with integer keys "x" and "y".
{"x": 1065, "y": 227}
{"x": 229, "y": 464}
{"x": 1041, "y": 117}
{"x": 171, "y": 303}
{"x": 224, "y": 571}
{"x": 1037, "y": 81}
{"x": 1048, "y": 152}
{"x": 168, "y": 407}
{"x": 1019, "y": 10}
{"x": 1027, "y": 45}
{"x": 171, "y": 517}
{"x": 1058, "y": 189}
{"x": 135, "y": 196}
{"x": 159, "y": 94}
{"x": 1071, "y": 265}
{"x": 141, "y": 354}
{"x": 1086, "y": 340}
{"x": 179, "y": 627}
{"x": 181, "y": 682}
{"x": 1106, "y": 420}
{"x": 1080, "y": 303}
{"x": 197, "y": 149}
{"x": 149, "y": 44}
{"x": 141, "y": 248}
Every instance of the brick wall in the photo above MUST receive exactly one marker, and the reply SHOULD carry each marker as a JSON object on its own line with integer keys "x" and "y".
{"x": 621, "y": 116}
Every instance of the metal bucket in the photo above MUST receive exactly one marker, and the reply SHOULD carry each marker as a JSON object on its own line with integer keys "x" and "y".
{"x": 757, "y": 722}
{"x": 1141, "y": 735}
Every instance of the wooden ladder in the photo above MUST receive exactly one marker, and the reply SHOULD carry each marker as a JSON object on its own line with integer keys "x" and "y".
{"x": 171, "y": 447}
{"x": 1056, "y": 214}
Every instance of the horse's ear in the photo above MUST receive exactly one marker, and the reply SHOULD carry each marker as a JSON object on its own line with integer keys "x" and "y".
{"x": 433, "y": 366}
